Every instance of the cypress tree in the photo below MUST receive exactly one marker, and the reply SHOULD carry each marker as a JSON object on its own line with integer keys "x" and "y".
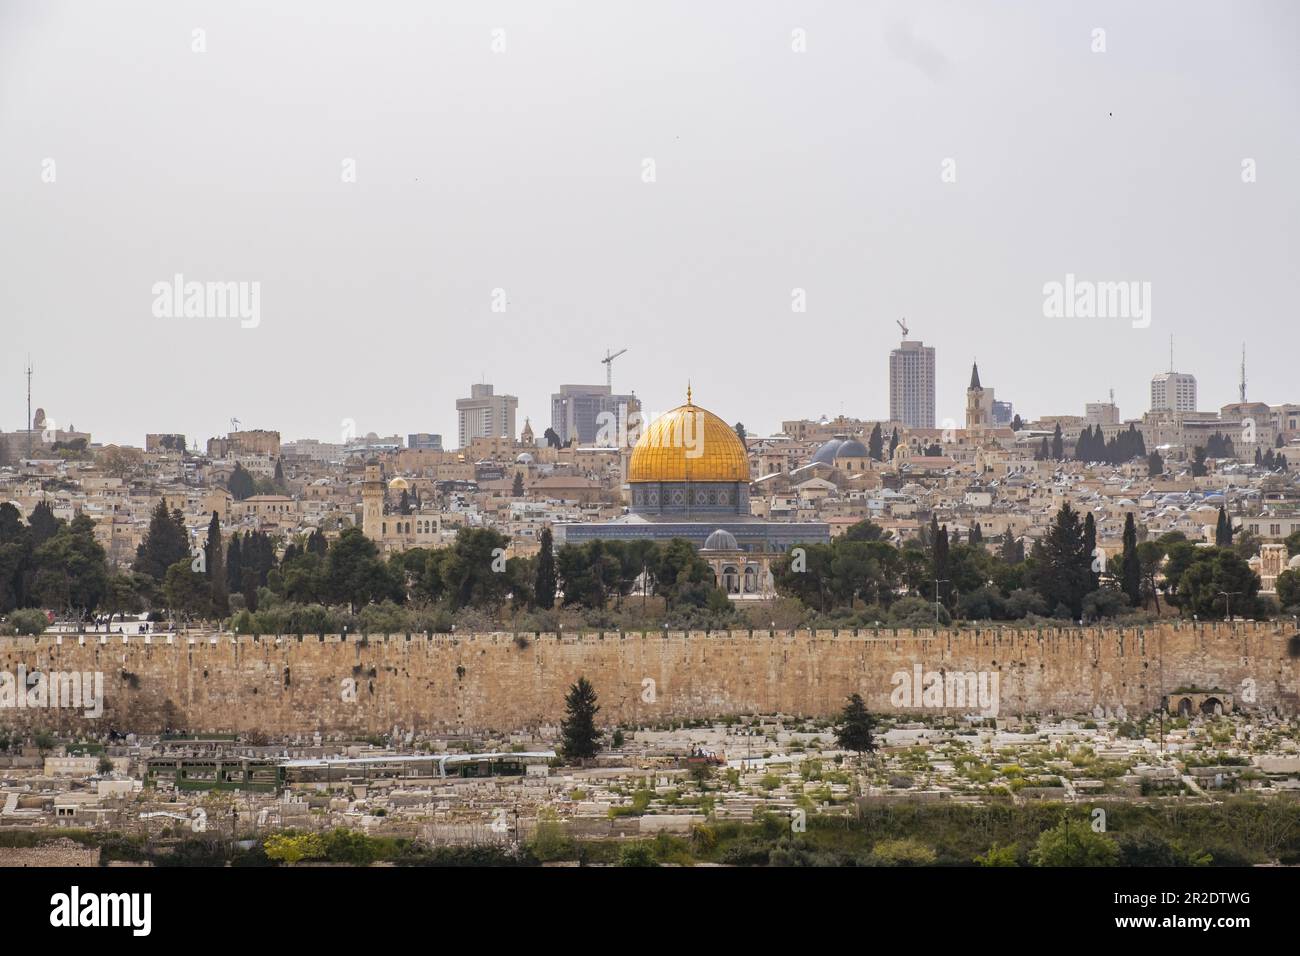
{"x": 215, "y": 570}
{"x": 1090, "y": 548}
{"x": 235, "y": 564}
{"x": 1223, "y": 530}
{"x": 941, "y": 564}
{"x": 1058, "y": 444}
{"x": 544, "y": 590}
{"x": 876, "y": 443}
{"x": 1131, "y": 574}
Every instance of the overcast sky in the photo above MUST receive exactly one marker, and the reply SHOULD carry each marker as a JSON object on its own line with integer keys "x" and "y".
{"x": 523, "y": 170}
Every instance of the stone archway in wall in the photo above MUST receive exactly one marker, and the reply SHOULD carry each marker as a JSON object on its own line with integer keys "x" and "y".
{"x": 1211, "y": 707}
{"x": 1185, "y": 707}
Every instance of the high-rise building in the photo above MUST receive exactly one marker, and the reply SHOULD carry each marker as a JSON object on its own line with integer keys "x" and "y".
{"x": 1174, "y": 392}
{"x": 485, "y": 415}
{"x": 1003, "y": 414}
{"x": 911, "y": 385}
{"x": 580, "y": 411}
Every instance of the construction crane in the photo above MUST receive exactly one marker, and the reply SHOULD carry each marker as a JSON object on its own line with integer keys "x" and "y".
{"x": 902, "y": 324}
{"x": 234, "y": 424}
{"x": 608, "y": 362}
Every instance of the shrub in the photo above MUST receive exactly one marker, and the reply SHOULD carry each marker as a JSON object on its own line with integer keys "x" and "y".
{"x": 29, "y": 621}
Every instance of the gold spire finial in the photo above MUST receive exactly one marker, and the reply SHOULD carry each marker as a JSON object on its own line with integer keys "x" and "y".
{"x": 688, "y": 391}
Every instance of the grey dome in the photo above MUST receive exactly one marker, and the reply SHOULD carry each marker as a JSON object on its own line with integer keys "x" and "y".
{"x": 721, "y": 540}
{"x": 826, "y": 454}
{"x": 852, "y": 449}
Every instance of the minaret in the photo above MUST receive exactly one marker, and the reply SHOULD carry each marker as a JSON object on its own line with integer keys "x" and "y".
{"x": 1243, "y": 373}
{"x": 372, "y": 501}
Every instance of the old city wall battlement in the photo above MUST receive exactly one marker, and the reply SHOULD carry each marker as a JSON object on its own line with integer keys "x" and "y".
{"x": 447, "y": 683}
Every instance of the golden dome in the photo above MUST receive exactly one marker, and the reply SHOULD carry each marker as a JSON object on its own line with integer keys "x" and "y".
{"x": 688, "y": 444}
{"x": 399, "y": 484}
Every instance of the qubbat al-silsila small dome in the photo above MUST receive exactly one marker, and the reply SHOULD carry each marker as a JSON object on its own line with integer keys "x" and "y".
{"x": 721, "y": 540}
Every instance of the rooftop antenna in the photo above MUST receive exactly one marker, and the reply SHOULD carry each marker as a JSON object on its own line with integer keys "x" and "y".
{"x": 902, "y": 324}
{"x": 1243, "y": 373}
{"x": 608, "y": 362}
{"x": 29, "y": 405}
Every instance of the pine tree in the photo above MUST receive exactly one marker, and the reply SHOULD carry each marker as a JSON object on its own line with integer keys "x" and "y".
{"x": 42, "y": 523}
{"x": 1131, "y": 573}
{"x": 578, "y": 734}
{"x": 165, "y": 543}
{"x": 1063, "y": 572}
{"x": 240, "y": 483}
{"x": 1198, "y": 463}
{"x": 215, "y": 569}
{"x": 517, "y": 489}
{"x": 853, "y": 730}
{"x": 544, "y": 590}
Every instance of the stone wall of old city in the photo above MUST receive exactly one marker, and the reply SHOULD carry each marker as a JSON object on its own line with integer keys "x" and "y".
{"x": 471, "y": 683}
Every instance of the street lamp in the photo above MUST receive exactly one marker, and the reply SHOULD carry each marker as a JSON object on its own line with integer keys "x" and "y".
{"x": 1227, "y": 596}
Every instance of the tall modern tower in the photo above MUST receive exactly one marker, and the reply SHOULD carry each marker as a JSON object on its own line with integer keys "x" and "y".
{"x": 911, "y": 385}
{"x": 485, "y": 415}
{"x": 584, "y": 411}
{"x": 1173, "y": 392}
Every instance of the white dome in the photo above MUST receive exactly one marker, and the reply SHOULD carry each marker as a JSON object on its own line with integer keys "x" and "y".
{"x": 721, "y": 540}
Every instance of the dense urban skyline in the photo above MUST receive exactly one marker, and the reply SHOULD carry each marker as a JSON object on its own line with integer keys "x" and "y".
{"x": 523, "y": 168}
